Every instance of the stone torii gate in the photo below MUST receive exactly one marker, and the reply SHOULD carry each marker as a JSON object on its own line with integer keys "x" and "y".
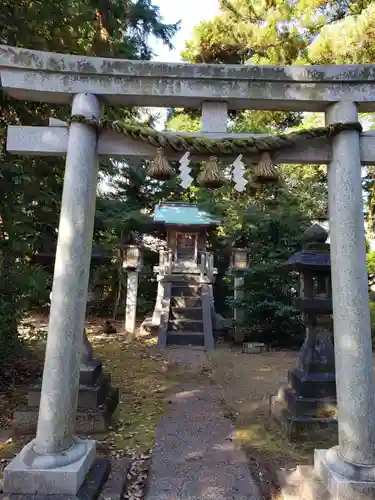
{"x": 56, "y": 462}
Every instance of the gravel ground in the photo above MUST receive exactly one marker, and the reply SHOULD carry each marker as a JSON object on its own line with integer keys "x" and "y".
{"x": 195, "y": 456}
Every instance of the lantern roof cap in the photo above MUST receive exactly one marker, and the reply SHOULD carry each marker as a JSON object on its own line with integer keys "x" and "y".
{"x": 315, "y": 253}
{"x": 315, "y": 234}
{"x": 310, "y": 259}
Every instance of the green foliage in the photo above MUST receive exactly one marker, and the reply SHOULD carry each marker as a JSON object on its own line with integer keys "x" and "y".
{"x": 124, "y": 28}
{"x": 269, "y": 221}
{"x": 347, "y": 40}
{"x": 271, "y": 228}
{"x": 284, "y": 32}
{"x": 180, "y": 121}
{"x": 372, "y": 316}
{"x": 31, "y": 188}
{"x": 371, "y": 267}
{"x": 21, "y": 287}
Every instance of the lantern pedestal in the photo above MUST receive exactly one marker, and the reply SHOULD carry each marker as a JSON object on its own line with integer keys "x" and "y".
{"x": 306, "y": 408}
{"x": 97, "y": 400}
{"x": 133, "y": 264}
{"x": 239, "y": 262}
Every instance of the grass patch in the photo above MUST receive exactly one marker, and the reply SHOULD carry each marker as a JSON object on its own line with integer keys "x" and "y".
{"x": 246, "y": 382}
{"x": 16, "y": 375}
{"x": 144, "y": 380}
{"x": 143, "y": 377}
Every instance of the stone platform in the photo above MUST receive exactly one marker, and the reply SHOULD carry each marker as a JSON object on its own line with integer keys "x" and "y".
{"x": 319, "y": 482}
{"x": 106, "y": 480}
{"x": 306, "y": 409}
{"x": 299, "y": 427}
{"x": 97, "y": 400}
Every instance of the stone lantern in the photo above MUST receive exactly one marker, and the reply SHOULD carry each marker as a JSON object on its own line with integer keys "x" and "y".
{"x": 308, "y": 403}
{"x": 239, "y": 262}
{"x": 239, "y": 259}
{"x": 133, "y": 262}
{"x": 133, "y": 258}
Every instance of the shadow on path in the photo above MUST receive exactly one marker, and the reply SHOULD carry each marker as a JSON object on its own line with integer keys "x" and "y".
{"x": 195, "y": 456}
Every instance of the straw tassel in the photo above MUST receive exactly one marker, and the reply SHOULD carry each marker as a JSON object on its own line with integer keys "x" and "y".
{"x": 160, "y": 168}
{"x": 265, "y": 171}
{"x": 210, "y": 175}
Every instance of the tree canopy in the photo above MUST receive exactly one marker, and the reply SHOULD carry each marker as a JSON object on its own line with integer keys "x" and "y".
{"x": 31, "y": 187}
{"x": 268, "y": 220}
{"x": 284, "y": 32}
{"x": 278, "y": 32}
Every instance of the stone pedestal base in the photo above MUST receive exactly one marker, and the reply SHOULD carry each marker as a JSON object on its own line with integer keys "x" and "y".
{"x": 302, "y": 428}
{"x": 312, "y": 385}
{"x": 306, "y": 409}
{"x": 106, "y": 479}
{"x": 148, "y": 328}
{"x": 60, "y": 474}
{"x": 97, "y": 400}
{"x": 340, "y": 487}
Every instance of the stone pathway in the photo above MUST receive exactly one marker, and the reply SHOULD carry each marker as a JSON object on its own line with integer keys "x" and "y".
{"x": 194, "y": 455}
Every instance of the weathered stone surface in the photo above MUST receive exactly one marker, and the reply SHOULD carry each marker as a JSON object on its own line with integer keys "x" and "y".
{"x": 301, "y": 427}
{"x": 313, "y": 385}
{"x": 114, "y": 487}
{"x": 89, "y": 396}
{"x": 315, "y": 233}
{"x": 182, "y": 301}
{"x": 190, "y": 325}
{"x": 351, "y": 315}
{"x": 187, "y": 313}
{"x": 55, "y": 78}
{"x": 88, "y": 374}
{"x": 339, "y": 486}
{"x": 308, "y": 407}
{"x": 106, "y": 480}
{"x": 70, "y": 283}
{"x": 53, "y": 141}
{"x": 88, "y": 421}
{"x": 214, "y": 117}
{"x": 185, "y": 338}
{"x": 131, "y": 301}
{"x": 20, "y": 478}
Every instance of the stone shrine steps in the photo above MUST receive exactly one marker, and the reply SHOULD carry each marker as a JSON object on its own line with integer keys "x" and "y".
{"x": 186, "y": 302}
{"x": 185, "y": 322}
{"x": 183, "y": 313}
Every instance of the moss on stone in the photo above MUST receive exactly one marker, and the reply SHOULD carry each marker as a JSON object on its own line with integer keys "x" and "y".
{"x": 225, "y": 146}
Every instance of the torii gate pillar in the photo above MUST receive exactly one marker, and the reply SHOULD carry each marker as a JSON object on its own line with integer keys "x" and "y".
{"x": 348, "y": 470}
{"x": 56, "y": 462}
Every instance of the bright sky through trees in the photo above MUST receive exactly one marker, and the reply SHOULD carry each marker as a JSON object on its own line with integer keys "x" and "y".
{"x": 191, "y": 13}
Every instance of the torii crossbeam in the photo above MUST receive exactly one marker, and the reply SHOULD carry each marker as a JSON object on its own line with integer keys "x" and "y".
{"x": 56, "y": 462}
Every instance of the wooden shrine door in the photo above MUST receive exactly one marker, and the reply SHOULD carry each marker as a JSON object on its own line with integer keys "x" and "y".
{"x": 186, "y": 247}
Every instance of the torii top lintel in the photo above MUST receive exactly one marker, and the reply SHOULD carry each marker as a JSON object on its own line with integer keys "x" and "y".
{"x": 50, "y": 77}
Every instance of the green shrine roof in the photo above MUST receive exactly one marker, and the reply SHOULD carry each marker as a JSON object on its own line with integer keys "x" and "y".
{"x": 183, "y": 214}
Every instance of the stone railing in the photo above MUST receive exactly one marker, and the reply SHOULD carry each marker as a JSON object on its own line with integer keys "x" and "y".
{"x": 165, "y": 263}
{"x": 206, "y": 265}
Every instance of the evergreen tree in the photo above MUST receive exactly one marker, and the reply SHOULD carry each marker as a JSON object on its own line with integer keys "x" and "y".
{"x": 31, "y": 187}
{"x": 268, "y": 32}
